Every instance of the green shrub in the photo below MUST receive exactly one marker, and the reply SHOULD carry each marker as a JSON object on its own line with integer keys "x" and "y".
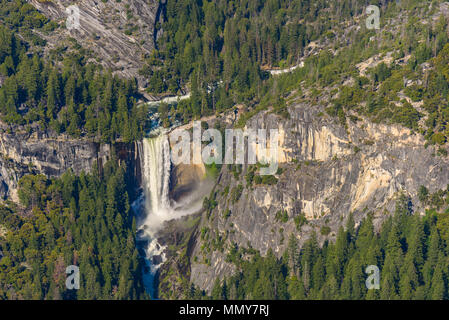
{"x": 300, "y": 220}
{"x": 227, "y": 214}
{"x": 282, "y": 216}
{"x": 236, "y": 193}
{"x": 325, "y": 230}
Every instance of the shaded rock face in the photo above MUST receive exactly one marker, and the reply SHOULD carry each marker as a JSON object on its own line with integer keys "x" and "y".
{"x": 186, "y": 179}
{"x": 23, "y": 153}
{"x": 329, "y": 172}
{"x": 121, "y": 33}
{"x": 174, "y": 275}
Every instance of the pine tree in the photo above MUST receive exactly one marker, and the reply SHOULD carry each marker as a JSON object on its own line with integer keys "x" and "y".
{"x": 53, "y": 94}
{"x": 438, "y": 288}
{"x": 293, "y": 256}
{"x": 296, "y": 288}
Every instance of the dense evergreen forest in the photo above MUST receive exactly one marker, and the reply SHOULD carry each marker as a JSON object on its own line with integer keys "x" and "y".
{"x": 74, "y": 220}
{"x": 412, "y": 253}
{"x": 220, "y": 48}
{"x": 386, "y": 93}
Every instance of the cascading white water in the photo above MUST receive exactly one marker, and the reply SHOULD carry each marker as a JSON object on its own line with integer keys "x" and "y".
{"x": 155, "y": 168}
{"x": 156, "y": 178}
{"x": 155, "y": 206}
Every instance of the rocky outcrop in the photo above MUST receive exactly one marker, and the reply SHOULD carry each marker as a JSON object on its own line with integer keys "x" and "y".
{"x": 174, "y": 275}
{"x": 327, "y": 172}
{"x": 41, "y": 152}
{"x": 120, "y": 33}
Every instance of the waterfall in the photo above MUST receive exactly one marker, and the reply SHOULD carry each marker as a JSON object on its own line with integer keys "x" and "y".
{"x": 156, "y": 177}
{"x": 155, "y": 206}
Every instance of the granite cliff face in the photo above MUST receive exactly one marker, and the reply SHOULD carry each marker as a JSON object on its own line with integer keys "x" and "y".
{"x": 120, "y": 34}
{"x": 328, "y": 171}
{"x": 41, "y": 152}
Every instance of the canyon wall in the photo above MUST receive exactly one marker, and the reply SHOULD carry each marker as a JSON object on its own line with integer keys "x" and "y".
{"x": 23, "y": 152}
{"x": 328, "y": 171}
